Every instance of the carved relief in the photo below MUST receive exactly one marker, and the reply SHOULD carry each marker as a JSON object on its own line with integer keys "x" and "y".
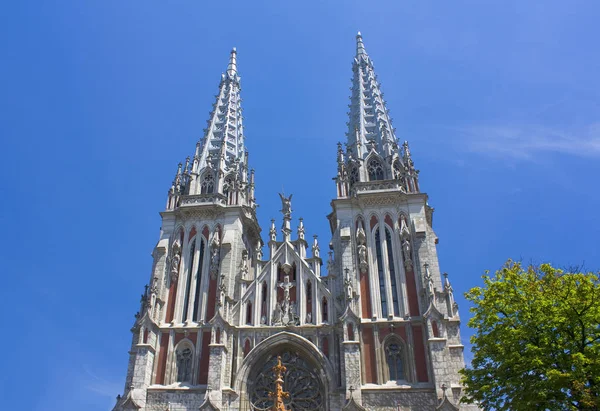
{"x": 175, "y": 261}
{"x": 362, "y": 250}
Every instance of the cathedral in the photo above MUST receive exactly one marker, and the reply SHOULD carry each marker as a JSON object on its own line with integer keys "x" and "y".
{"x": 231, "y": 322}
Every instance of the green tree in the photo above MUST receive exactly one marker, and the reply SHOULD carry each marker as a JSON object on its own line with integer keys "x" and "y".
{"x": 537, "y": 340}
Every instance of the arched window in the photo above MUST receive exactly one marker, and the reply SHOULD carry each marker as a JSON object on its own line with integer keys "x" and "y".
{"x": 350, "y": 332}
{"x": 248, "y": 313}
{"x": 325, "y": 346}
{"x": 208, "y": 184}
{"x": 380, "y": 271}
{"x": 188, "y": 282}
{"x": 392, "y": 271}
{"x": 309, "y": 302}
{"x": 354, "y": 178}
{"x": 184, "y": 364}
{"x": 435, "y": 329}
{"x": 263, "y": 304}
{"x": 228, "y": 189}
{"x": 396, "y": 167}
{"x": 247, "y": 347}
{"x": 375, "y": 170}
{"x": 198, "y": 293}
{"x": 394, "y": 353}
{"x": 324, "y": 310}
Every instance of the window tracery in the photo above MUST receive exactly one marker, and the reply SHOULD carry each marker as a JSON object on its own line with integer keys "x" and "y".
{"x": 208, "y": 184}
{"x": 375, "y": 170}
{"x": 354, "y": 178}
{"x": 184, "y": 364}
{"x": 394, "y": 352}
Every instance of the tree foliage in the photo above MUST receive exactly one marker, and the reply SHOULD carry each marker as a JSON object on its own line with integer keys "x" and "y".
{"x": 537, "y": 340}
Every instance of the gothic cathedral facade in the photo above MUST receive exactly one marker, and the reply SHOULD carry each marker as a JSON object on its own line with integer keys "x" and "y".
{"x": 380, "y": 331}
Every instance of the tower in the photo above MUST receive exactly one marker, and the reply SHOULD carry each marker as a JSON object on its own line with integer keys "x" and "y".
{"x": 378, "y": 332}
{"x": 408, "y": 351}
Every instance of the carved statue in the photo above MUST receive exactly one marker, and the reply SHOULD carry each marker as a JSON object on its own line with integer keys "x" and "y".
{"x": 175, "y": 260}
{"x": 362, "y": 250}
{"x": 244, "y": 266}
{"x": 429, "y": 284}
{"x": 406, "y": 249}
{"x": 286, "y": 205}
{"x": 214, "y": 256}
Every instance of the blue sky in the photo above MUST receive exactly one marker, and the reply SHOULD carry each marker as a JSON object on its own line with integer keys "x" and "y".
{"x": 101, "y": 99}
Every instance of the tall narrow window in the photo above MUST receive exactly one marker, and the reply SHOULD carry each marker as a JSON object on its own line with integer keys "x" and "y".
{"x": 324, "y": 310}
{"x": 263, "y": 304}
{"x": 394, "y": 356}
{"x": 184, "y": 364}
{"x": 249, "y": 313}
{"x": 380, "y": 271}
{"x": 392, "y": 271}
{"x": 199, "y": 283}
{"x": 354, "y": 178}
{"x": 308, "y": 302}
{"x": 188, "y": 282}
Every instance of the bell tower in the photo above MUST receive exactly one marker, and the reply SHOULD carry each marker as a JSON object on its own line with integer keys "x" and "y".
{"x": 209, "y": 238}
{"x": 408, "y": 349}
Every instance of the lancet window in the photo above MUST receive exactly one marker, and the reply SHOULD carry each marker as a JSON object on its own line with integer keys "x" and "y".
{"x": 308, "y": 302}
{"x": 185, "y": 356}
{"x": 392, "y": 271}
{"x": 397, "y": 169}
{"x": 199, "y": 282}
{"x": 208, "y": 183}
{"x": 188, "y": 282}
{"x": 324, "y": 310}
{"x": 381, "y": 274}
{"x": 354, "y": 178}
{"x": 394, "y": 352}
{"x": 375, "y": 170}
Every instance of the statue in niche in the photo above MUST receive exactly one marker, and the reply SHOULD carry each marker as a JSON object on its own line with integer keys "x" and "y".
{"x": 429, "y": 284}
{"x": 175, "y": 260}
{"x": 285, "y": 311}
{"x": 286, "y": 205}
{"x": 214, "y": 256}
{"x": 362, "y": 250}
{"x": 406, "y": 250}
{"x": 244, "y": 266}
{"x": 348, "y": 284}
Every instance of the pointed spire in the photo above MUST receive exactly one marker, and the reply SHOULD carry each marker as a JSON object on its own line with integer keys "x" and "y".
{"x": 220, "y": 154}
{"x": 232, "y": 66}
{"x": 360, "y": 46}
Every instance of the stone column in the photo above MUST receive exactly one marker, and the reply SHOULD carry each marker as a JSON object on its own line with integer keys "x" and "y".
{"x": 351, "y": 369}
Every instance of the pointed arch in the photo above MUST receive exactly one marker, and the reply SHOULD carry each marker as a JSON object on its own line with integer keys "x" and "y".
{"x": 207, "y": 182}
{"x": 395, "y": 351}
{"x": 324, "y": 310}
{"x": 309, "y": 302}
{"x": 188, "y": 280}
{"x": 184, "y": 361}
{"x": 375, "y": 168}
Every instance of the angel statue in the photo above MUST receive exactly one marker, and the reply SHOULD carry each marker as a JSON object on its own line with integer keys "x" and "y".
{"x": 286, "y": 205}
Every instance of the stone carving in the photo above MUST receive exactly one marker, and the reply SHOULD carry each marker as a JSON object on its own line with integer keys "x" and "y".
{"x": 348, "y": 287}
{"x": 286, "y": 205}
{"x": 429, "y": 290}
{"x": 362, "y": 250}
{"x": 285, "y": 312}
{"x": 215, "y": 256}
{"x": 452, "y": 306}
{"x": 244, "y": 269}
{"x": 175, "y": 260}
{"x": 406, "y": 253}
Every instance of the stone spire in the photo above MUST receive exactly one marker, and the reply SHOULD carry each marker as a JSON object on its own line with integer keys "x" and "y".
{"x": 370, "y": 135}
{"x": 220, "y": 162}
{"x": 370, "y": 127}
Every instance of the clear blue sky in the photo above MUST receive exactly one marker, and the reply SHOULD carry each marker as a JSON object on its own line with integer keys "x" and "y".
{"x": 101, "y": 99}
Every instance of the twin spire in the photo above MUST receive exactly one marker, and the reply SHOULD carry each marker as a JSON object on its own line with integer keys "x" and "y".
{"x": 219, "y": 170}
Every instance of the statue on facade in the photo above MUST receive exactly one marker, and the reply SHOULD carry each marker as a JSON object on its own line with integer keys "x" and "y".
{"x": 244, "y": 269}
{"x": 214, "y": 256}
{"x": 286, "y": 205}
{"x": 175, "y": 260}
{"x": 362, "y": 250}
{"x": 406, "y": 251}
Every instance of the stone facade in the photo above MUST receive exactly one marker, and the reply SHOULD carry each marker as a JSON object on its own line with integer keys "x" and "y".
{"x": 379, "y": 332}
